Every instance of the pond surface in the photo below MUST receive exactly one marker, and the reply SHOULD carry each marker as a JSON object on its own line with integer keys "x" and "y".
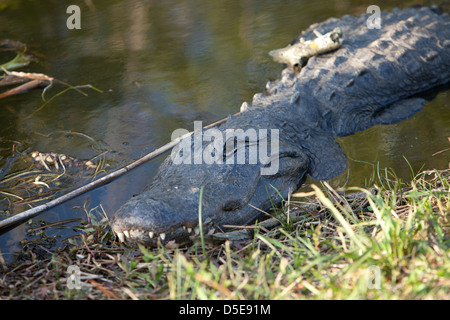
{"x": 161, "y": 65}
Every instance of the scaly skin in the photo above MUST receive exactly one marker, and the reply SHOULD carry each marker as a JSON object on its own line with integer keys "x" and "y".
{"x": 372, "y": 79}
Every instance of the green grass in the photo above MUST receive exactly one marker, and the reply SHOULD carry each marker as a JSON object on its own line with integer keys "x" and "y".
{"x": 387, "y": 242}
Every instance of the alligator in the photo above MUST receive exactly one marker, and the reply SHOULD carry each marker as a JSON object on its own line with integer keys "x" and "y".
{"x": 377, "y": 76}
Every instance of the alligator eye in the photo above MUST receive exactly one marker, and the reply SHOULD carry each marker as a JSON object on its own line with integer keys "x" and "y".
{"x": 230, "y": 149}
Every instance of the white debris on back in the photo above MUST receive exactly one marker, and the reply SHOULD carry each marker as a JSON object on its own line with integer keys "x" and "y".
{"x": 292, "y": 54}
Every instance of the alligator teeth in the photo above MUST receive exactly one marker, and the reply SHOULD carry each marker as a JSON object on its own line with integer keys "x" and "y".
{"x": 150, "y": 234}
{"x": 189, "y": 230}
{"x": 120, "y": 236}
{"x": 197, "y": 230}
{"x": 126, "y": 233}
{"x": 163, "y": 236}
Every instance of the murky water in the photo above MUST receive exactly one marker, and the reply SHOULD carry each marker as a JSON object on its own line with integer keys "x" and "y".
{"x": 161, "y": 65}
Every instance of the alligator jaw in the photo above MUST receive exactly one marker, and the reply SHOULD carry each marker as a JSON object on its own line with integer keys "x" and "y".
{"x": 149, "y": 218}
{"x": 132, "y": 236}
{"x": 149, "y": 225}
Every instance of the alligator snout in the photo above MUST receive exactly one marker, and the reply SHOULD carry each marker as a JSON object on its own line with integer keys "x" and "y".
{"x": 149, "y": 221}
{"x": 144, "y": 235}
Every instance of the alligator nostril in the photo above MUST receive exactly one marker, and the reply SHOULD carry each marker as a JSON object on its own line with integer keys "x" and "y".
{"x": 232, "y": 205}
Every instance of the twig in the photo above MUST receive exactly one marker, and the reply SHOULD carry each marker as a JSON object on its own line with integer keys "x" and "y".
{"x": 28, "y": 214}
{"x": 27, "y": 75}
{"x": 22, "y": 88}
{"x": 41, "y": 77}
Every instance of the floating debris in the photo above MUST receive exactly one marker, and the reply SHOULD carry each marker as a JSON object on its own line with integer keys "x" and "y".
{"x": 57, "y": 161}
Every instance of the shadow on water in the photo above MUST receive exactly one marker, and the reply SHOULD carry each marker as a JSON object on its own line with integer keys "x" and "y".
{"x": 161, "y": 65}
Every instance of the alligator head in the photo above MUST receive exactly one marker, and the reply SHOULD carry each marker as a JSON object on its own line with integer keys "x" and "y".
{"x": 253, "y": 166}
